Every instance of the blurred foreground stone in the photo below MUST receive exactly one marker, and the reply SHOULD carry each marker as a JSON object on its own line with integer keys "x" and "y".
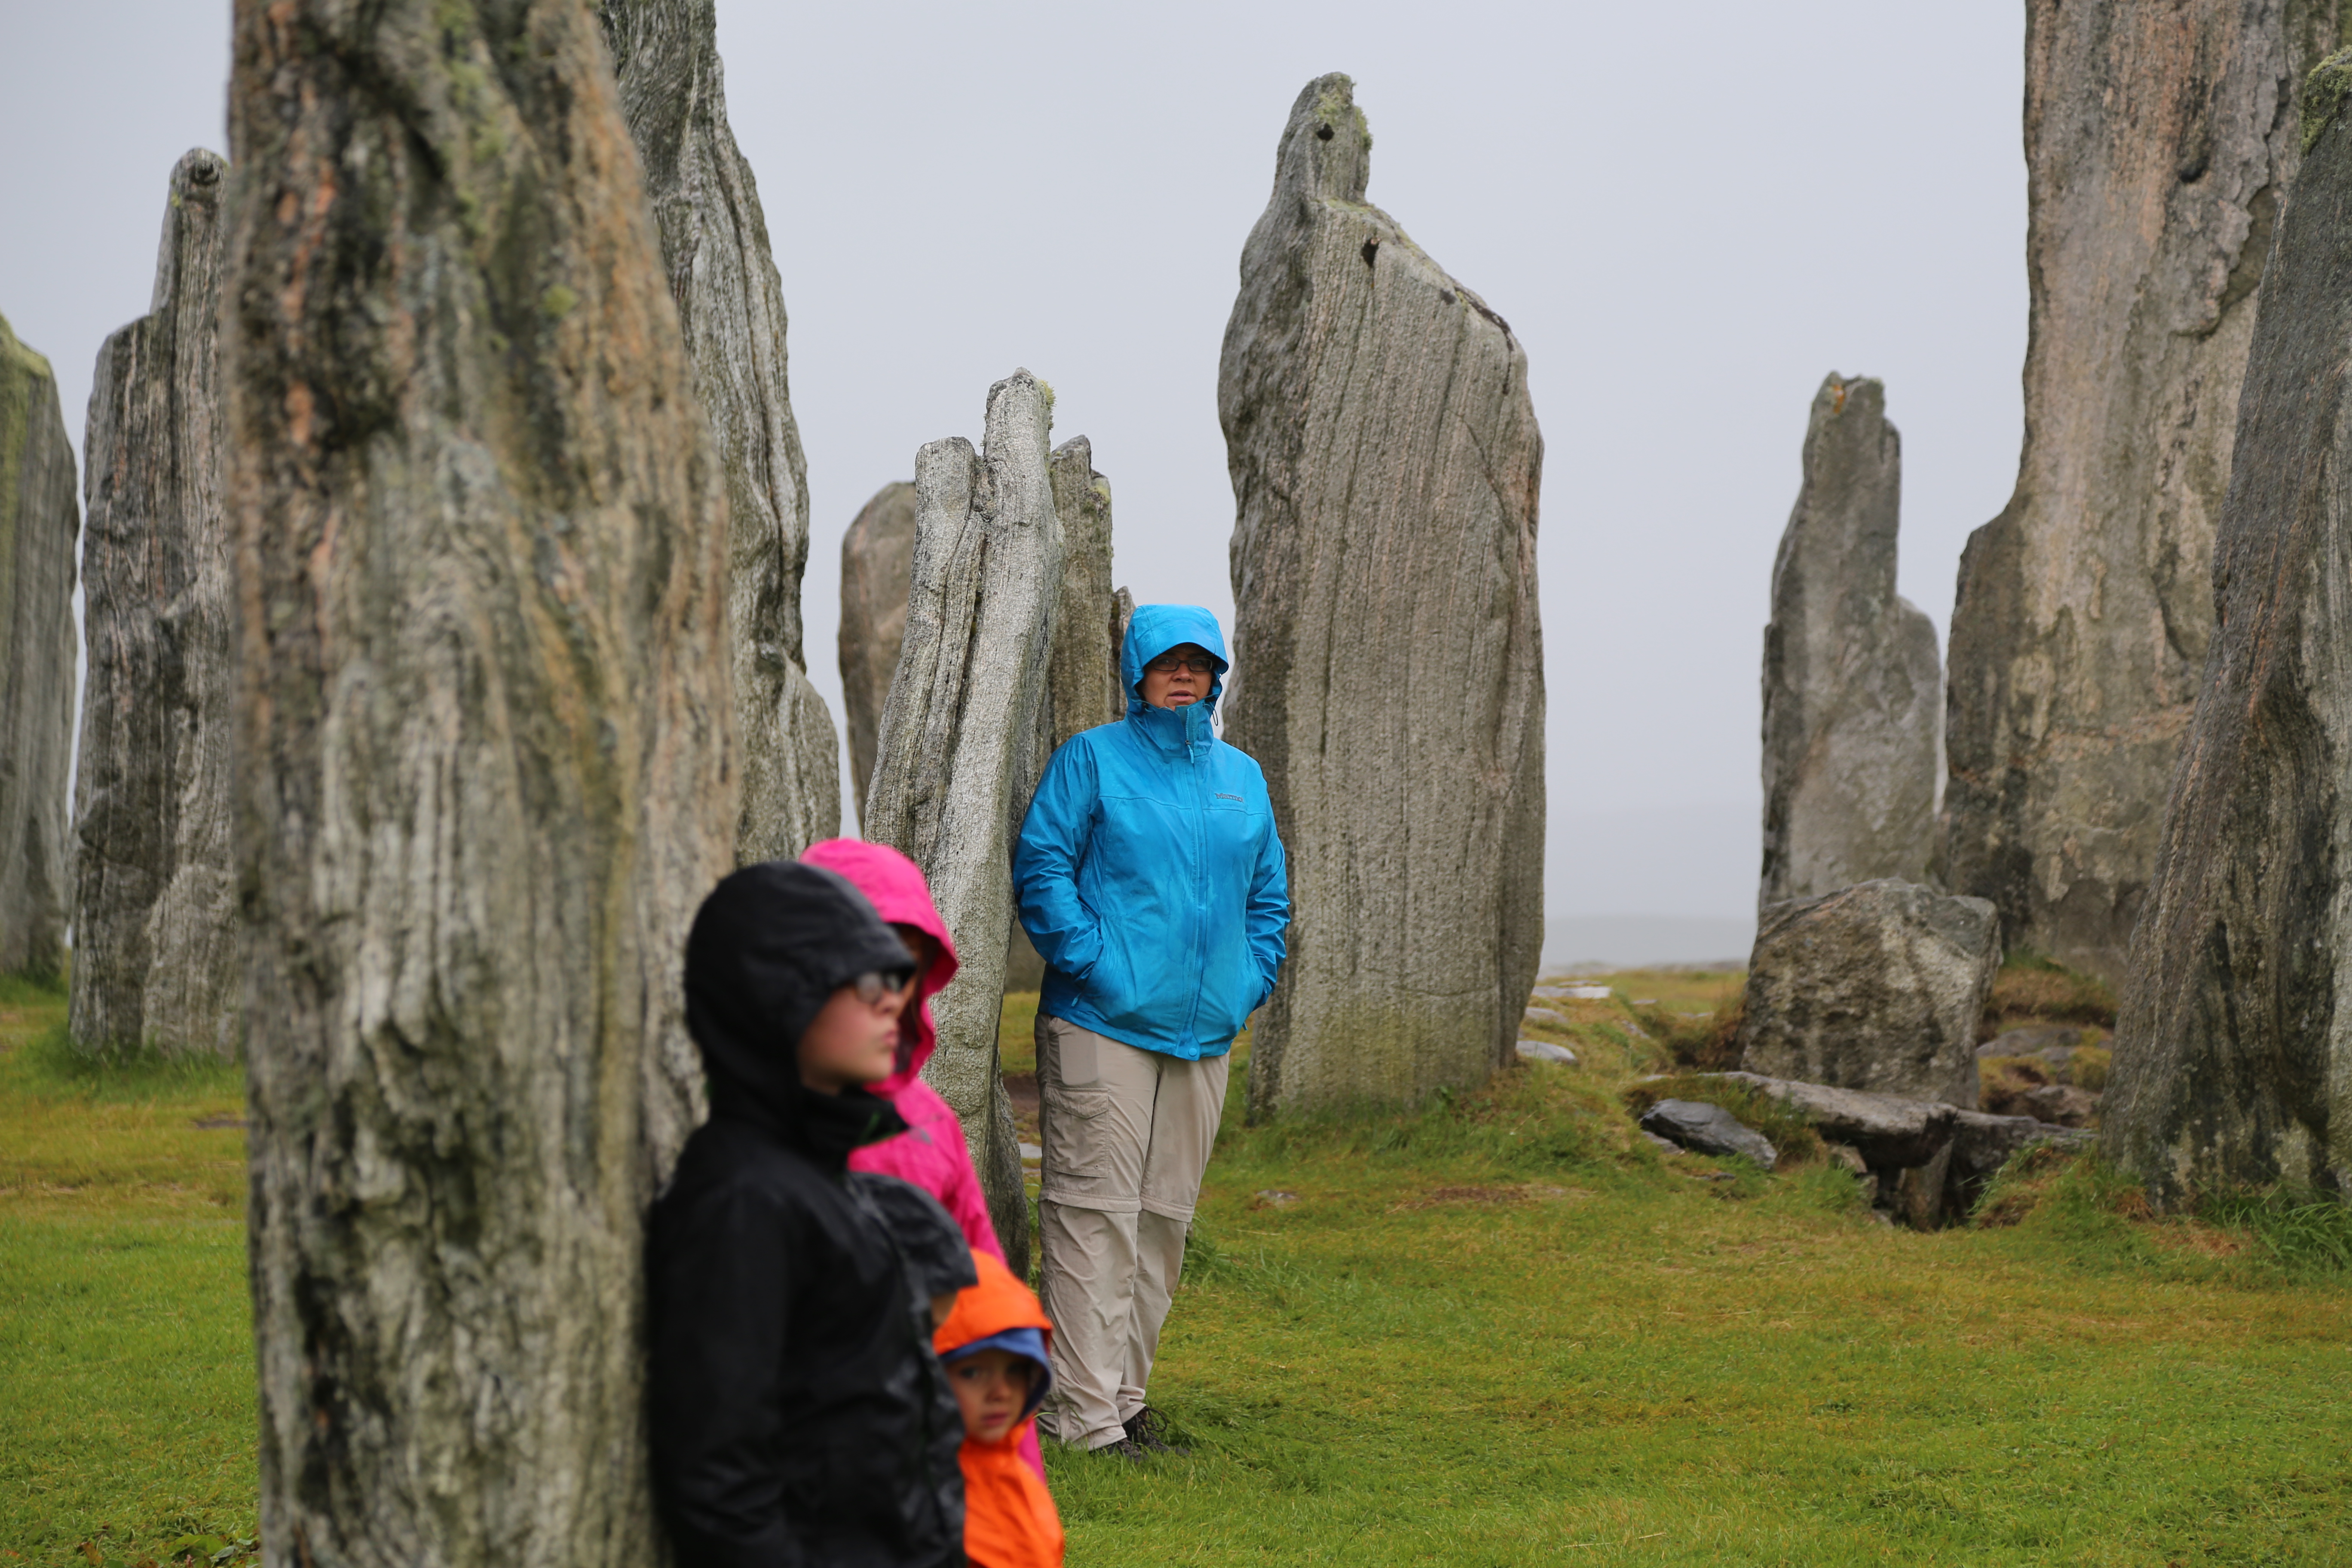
{"x": 730, "y": 302}
{"x": 482, "y": 772}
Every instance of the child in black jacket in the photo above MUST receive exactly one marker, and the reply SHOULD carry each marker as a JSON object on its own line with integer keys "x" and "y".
{"x": 798, "y": 1416}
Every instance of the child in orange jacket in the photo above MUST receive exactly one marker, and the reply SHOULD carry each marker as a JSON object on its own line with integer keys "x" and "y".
{"x": 994, "y": 1346}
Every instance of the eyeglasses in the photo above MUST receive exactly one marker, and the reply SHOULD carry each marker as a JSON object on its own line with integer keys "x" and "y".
{"x": 1169, "y": 664}
{"x": 875, "y": 983}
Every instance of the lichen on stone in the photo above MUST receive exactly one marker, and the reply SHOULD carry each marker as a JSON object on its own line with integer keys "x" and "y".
{"x": 2324, "y": 92}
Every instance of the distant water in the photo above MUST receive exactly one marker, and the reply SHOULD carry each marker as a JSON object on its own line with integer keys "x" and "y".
{"x": 1637, "y": 941}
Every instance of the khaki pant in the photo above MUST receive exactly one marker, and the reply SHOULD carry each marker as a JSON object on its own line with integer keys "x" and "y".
{"x": 1127, "y": 1134}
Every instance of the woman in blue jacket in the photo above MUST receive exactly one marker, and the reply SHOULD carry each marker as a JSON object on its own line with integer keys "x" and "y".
{"x": 1150, "y": 877}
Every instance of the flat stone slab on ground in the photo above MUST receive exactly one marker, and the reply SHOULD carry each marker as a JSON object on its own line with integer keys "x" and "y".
{"x": 1545, "y": 1051}
{"x": 1708, "y": 1130}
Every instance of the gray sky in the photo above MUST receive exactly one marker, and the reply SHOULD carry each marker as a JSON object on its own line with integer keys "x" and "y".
{"x": 1688, "y": 214}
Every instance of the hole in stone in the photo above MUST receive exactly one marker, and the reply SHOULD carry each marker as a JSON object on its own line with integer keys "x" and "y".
{"x": 1323, "y": 134}
{"x": 1371, "y": 249}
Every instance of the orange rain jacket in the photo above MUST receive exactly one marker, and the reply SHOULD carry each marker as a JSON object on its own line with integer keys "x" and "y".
{"x": 1009, "y": 1520}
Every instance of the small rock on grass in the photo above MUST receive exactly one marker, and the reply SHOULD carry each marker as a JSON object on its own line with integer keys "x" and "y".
{"x": 1547, "y": 1016}
{"x": 1545, "y": 1051}
{"x": 1708, "y": 1130}
{"x": 1271, "y": 1199}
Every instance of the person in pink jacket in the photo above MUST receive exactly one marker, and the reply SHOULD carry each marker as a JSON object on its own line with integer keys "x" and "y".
{"x": 930, "y": 1153}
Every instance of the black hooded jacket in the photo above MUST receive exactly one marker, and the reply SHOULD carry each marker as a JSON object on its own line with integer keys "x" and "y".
{"x": 797, "y": 1415}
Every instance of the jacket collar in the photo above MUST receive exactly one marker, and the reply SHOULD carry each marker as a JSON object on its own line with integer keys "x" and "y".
{"x": 1174, "y": 732}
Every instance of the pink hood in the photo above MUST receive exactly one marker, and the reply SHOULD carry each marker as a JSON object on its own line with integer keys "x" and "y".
{"x": 895, "y": 886}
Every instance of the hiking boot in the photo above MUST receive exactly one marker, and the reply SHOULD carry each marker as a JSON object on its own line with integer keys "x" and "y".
{"x": 1120, "y": 1448}
{"x": 1148, "y": 1430}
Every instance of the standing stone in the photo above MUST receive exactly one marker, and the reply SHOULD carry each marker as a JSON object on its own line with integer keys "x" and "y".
{"x": 730, "y": 302}
{"x": 1082, "y": 678}
{"x": 482, "y": 771}
{"x": 156, "y": 961}
{"x": 958, "y": 755}
{"x": 1388, "y": 657}
{"x": 1876, "y": 987}
{"x": 38, "y": 521}
{"x": 1853, "y": 688}
{"x": 877, "y": 560}
{"x": 2158, "y": 142}
{"x": 2233, "y": 1047}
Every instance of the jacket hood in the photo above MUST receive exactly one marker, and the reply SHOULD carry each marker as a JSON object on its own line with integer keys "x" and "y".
{"x": 1001, "y": 1313}
{"x": 769, "y": 946}
{"x": 930, "y": 1244}
{"x": 1151, "y": 631}
{"x": 895, "y": 888}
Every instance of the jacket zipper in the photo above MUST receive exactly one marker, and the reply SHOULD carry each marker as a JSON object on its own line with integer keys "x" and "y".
{"x": 1200, "y": 893}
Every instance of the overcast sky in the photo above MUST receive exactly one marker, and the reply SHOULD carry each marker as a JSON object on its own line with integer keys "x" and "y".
{"x": 1688, "y": 214}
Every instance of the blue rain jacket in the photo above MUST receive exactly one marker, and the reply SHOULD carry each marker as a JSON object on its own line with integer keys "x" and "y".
{"x": 1148, "y": 872}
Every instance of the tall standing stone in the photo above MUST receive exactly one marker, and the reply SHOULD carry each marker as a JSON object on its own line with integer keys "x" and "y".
{"x": 960, "y": 754}
{"x": 39, "y": 519}
{"x": 1082, "y": 678}
{"x": 877, "y": 560}
{"x": 2233, "y": 1048}
{"x": 1853, "y": 688}
{"x": 156, "y": 959}
{"x": 2158, "y": 141}
{"x": 1388, "y": 658}
{"x": 482, "y": 771}
{"x": 730, "y": 302}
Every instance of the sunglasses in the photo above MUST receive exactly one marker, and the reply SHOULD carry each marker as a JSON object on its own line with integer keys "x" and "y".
{"x": 875, "y": 983}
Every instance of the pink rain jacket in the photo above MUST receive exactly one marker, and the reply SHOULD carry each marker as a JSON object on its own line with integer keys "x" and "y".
{"x": 930, "y": 1153}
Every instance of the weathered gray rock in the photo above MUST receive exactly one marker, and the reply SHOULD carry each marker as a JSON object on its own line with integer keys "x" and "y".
{"x": 39, "y": 519}
{"x": 482, "y": 772}
{"x": 960, "y": 750}
{"x": 1891, "y": 1132}
{"x": 1082, "y": 683}
{"x": 1707, "y": 1129}
{"x": 1876, "y": 987}
{"x": 877, "y": 560}
{"x": 1854, "y": 692}
{"x": 156, "y": 955}
{"x": 1385, "y": 462}
{"x": 1545, "y": 1051}
{"x": 2233, "y": 1046}
{"x": 730, "y": 302}
{"x": 2158, "y": 143}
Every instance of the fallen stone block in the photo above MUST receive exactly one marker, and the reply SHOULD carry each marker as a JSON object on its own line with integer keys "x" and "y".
{"x": 1707, "y": 1129}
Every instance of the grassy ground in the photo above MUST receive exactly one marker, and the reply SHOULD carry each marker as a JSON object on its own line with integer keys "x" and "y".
{"x": 1501, "y": 1331}
{"x": 126, "y": 1347}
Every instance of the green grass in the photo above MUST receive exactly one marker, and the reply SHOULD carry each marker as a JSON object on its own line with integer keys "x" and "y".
{"x": 126, "y": 1338}
{"x": 1500, "y": 1331}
